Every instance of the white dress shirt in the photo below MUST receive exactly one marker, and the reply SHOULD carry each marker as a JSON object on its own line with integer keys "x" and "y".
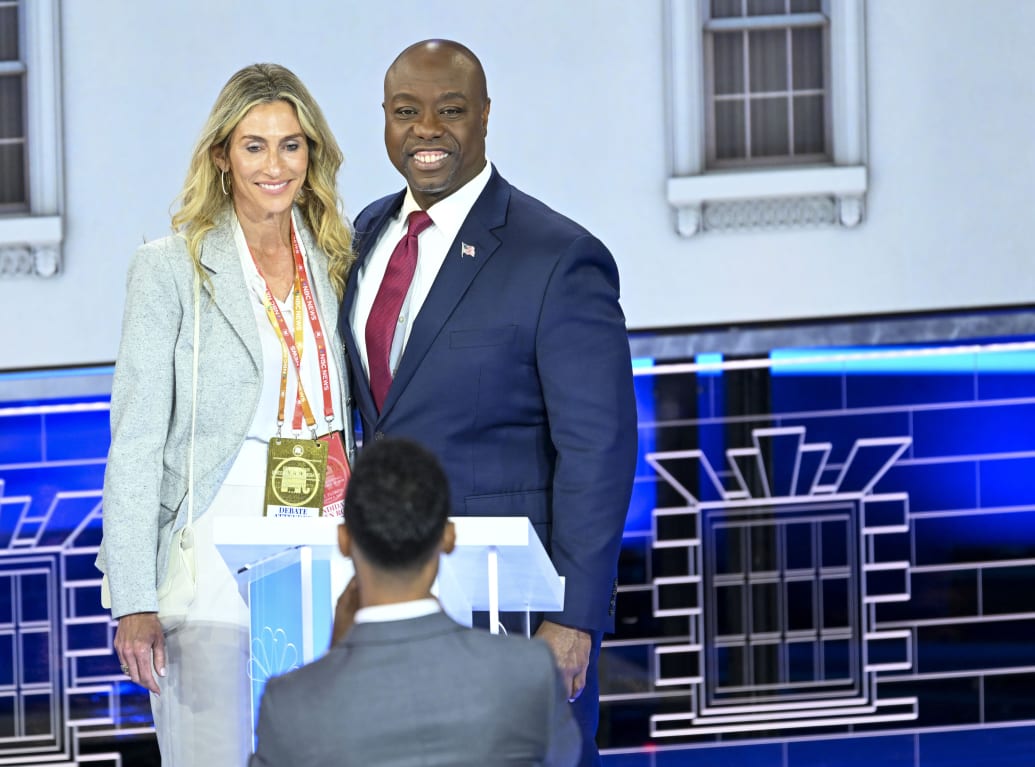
{"x": 249, "y": 467}
{"x": 433, "y": 244}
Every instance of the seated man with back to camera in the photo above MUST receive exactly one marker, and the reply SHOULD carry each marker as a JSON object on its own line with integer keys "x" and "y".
{"x": 403, "y": 683}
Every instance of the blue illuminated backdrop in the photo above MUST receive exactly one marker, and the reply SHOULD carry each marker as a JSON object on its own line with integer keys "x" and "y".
{"x": 859, "y": 519}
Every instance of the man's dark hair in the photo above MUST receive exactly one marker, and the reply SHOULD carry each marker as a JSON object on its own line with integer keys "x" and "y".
{"x": 397, "y": 504}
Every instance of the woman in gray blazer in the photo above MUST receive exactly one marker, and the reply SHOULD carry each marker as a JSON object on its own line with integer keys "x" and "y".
{"x": 260, "y": 225}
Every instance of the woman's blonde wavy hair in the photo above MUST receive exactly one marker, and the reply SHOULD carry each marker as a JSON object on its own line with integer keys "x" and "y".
{"x": 203, "y": 198}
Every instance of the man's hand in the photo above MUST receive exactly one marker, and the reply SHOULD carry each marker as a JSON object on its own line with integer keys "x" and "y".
{"x": 140, "y": 645}
{"x": 345, "y": 611}
{"x": 571, "y": 649}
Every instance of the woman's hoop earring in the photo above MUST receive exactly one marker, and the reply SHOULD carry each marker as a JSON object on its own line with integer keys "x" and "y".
{"x": 222, "y": 182}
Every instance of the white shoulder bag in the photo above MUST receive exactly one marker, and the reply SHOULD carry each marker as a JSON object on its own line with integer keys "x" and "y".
{"x": 176, "y": 591}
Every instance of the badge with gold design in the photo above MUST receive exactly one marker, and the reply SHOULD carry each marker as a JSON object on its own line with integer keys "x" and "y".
{"x": 296, "y": 470}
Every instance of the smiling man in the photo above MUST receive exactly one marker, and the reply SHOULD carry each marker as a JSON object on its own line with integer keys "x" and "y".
{"x": 436, "y": 118}
{"x": 487, "y": 326}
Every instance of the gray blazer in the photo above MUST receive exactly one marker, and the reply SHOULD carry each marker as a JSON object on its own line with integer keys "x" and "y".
{"x": 425, "y": 691}
{"x": 145, "y": 481}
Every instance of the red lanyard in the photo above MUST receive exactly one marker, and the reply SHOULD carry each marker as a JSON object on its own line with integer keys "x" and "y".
{"x": 314, "y": 320}
{"x": 303, "y": 294}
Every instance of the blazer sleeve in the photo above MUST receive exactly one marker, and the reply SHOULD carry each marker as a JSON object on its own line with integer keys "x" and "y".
{"x": 141, "y": 410}
{"x": 583, "y": 358}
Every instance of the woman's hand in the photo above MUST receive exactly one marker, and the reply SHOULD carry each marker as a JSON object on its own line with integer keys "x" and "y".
{"x": 140, "y": 645}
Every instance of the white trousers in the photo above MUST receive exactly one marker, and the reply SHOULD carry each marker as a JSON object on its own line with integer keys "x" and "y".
{"x": 203, "y": 717}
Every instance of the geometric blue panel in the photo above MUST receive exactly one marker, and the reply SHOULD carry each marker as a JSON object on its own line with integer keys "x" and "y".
{"x": 982, "y": 537}
{"x": 951, "y": 539}
{"x": 78, "y": 434}
{"x": 1001, "y": 747}
{"x": 21, "y": 439}
{"x": 66, "y": 515}
{"x": 887, "y": 751}
{"x": 868, "y": 463}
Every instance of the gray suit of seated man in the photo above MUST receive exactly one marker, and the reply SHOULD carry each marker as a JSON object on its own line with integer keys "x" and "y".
{"x": 403, "y": 684}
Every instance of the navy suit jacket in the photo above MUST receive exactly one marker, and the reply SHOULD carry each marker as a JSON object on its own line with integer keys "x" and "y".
{"x": 517, "y": 375}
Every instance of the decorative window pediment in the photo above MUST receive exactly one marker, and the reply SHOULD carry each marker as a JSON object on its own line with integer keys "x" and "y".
{"x": 767, "y": 111}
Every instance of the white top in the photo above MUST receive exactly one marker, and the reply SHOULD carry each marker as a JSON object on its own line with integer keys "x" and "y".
{"x": 417, "y": 608}
{"x": 249, "y": 468}
{"x": 433, "y": 243}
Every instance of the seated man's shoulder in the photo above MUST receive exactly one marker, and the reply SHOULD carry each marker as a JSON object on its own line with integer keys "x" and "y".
{"x": 311, "y": 677}
{"x": 517, "y": 651}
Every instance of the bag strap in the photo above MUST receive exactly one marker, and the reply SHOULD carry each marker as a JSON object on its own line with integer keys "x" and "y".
{"x": 193, "y": 397}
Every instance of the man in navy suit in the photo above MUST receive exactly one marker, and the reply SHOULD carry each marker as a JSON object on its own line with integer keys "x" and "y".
{"x": 507, "y": 356}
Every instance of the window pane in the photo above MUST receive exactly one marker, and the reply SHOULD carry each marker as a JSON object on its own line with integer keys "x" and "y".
{"x": 767, "y": 51}
{"x": 12, "y": 174}
{"x": 11, "y": 125}
{"x": 38, "y": 708}
{"x": 9, "y": 33}
{"x": 728, "y": 548}
{"x": 6, "y": 603}
{"x": 730, "y": 666}
{"x": 729, "y": 130}
{"x": 10, "y": 663}
{"x": 722, "y": 9}
{"x": 807, "y": 58}
{"x": 769, "y": 131}
{"x": 729, "y": 62}
{"x": 834, "y": 542}
{"x": 8, "y": 718}
{"x": 837, "y": 662}
{"x": 729, "y": 610}
{"x": 765, "y": 664}
{"x": 808, "y": 125}
{"x": 806, "y": 6}
{"x": 801, "y": 662}
{"x": 36, "y": 651}
{"x": 766, "y": 7}
{"x": 765, "y": 608}
{"x": 763, "y": 548}
{"x": 835, "y": 603}
{"x": 800, "y": 615}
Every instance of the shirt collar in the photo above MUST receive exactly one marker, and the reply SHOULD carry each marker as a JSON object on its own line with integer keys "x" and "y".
{"x": 398, "y": 611}
{"x": 449, "y": 214}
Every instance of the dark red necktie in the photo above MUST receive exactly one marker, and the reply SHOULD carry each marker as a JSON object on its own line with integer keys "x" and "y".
{"x": 384, "y": 313}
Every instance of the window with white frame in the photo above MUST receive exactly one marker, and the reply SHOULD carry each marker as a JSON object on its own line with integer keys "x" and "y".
{"x": 765, "y": 69}
{"x": 767, "y": 113}
{"x": 31, "y": 199}
{"x": 13, "y": 189}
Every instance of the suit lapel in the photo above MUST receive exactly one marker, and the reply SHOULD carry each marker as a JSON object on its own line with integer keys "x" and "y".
{"x": 227, "y": 288}
{"x": 366, "y": 238}
{"x": 453, "y": 280}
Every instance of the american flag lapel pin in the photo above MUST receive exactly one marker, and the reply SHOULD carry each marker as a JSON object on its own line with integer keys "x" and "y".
{"x": 466, "y": 250}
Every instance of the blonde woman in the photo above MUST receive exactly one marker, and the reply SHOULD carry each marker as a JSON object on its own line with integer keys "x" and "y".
{"x": 260, "y": 225}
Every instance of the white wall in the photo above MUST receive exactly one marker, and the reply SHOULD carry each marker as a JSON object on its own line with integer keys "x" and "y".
{"x": 578, "y": 119}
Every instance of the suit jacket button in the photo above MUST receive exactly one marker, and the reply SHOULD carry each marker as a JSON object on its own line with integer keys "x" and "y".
{"x": 379, "y": 435}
